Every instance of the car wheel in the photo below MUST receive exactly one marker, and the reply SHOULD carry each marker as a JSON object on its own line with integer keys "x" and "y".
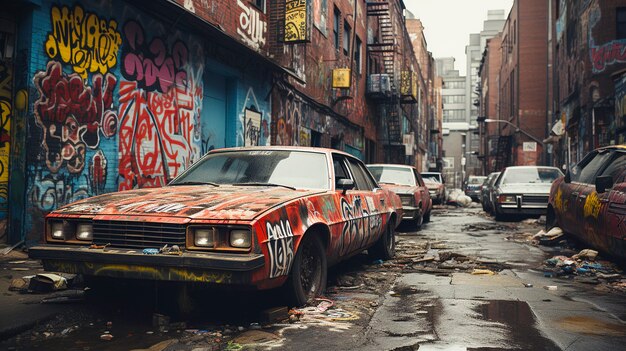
{"x": 307, "y": 278}
{"x": 427, "y": 217}
{"x": 385, "y": 247}
{"x": 418, "y": 220}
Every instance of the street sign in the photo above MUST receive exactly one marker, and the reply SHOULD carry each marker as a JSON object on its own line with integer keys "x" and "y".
{"x": 530, "y": 146}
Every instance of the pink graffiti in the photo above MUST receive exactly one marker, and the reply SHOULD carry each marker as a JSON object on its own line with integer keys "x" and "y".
{"x": 72, "y": 115}
{"x": 158, "y": 135}
{"x": 150, "y": 64}
{"x": 608, "y": 54}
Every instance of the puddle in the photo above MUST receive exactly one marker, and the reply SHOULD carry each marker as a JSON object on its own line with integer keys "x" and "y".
{"x": 520, "y": 324}
{"x": 591, "y": 326}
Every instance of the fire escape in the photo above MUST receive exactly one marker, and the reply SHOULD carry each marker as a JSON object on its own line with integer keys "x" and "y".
{"x": 381, "y": 85}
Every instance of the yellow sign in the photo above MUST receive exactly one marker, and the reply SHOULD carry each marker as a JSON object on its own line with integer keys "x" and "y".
{"x": 414, "y": 85}
{"x": 341, "y": 78}
{"x": 405, "y": 83}
{"x": 296, "y": 21}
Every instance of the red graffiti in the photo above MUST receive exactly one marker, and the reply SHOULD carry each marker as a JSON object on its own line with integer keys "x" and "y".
{"x": 150, "y": 64}
{"x": 159, "y": 134}
{"x": 72, "y": 115}
{"x": 608, "y": 54}
{"x": 98, "y": 172}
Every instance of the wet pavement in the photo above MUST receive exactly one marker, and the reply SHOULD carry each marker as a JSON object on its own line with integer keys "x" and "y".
{"x": 463, "y": 282}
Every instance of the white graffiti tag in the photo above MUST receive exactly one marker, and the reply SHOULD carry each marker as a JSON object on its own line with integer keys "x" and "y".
{"x": 251, "y": 28}
{"x": 280, "y": 247}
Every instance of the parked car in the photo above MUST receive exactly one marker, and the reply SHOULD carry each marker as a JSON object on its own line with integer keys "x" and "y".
{"x": 523, "y": 190}
{"x": 473, "y": 187}
{"x": 259, "y": 217}
{"x": 408, "y": 184}
{"x": 485, "y": 191}
{"x": 589, "y": 202}
{"x": 436, "y": 186}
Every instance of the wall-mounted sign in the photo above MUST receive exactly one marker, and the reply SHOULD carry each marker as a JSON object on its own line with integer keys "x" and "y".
{"x": 297, "y": 22}
{"x": 405, "y": 83}
{"x": 341, "y": 78}
{"x": 530, "y": 146}
{"x": 252, "y": 127}
{"x": 448, "y": 162}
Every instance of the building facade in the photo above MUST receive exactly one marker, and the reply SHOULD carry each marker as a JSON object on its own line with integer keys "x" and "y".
{"x": 589, "y": 77}
{"x": 100, "y": 96}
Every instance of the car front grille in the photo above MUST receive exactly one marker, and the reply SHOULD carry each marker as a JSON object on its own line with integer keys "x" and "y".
{"x": 139, "y": 235}
{"x": 535, "y": 199}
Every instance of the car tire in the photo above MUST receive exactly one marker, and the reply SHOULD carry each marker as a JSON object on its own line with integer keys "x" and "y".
{"x": 308, "y": 275}
{"x": 427, "y": 217}
{"x": 385, "y": 247}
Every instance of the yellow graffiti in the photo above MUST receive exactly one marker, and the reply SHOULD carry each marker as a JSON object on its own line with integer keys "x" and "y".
{"x": 296, "y": 16}
{"x": 559, "y": 203}
{"x": 219, "y": 278}
{"x": 592, "y": 205}
{"x": 81, "y": 39}
{"x": 64, "y": 267}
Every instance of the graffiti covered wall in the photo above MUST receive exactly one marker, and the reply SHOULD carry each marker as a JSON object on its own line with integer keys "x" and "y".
{"x": 120, "y": 102}
{"x": 6, "y": 107}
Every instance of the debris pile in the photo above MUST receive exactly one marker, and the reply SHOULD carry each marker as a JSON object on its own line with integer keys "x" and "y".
{"x": 458, "y": 198}
{"x": 584, "y": 267}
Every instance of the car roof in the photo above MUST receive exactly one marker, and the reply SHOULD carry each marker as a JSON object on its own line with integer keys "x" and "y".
{"x": 528, "y": 167}
{"x": 389, "y": 165}
{"x": 283, "y": 148}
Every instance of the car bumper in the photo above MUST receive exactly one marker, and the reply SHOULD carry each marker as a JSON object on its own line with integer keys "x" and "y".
{"x": 204, "y": 267}
{"x": 523, "y": 210}
{"x": 409, "y": 212}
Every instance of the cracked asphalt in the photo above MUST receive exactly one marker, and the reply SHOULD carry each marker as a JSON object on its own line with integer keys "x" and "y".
{"x": 463, "y": 282}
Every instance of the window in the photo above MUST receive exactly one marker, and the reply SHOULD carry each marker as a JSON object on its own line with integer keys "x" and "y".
{"x": 585, "y": 171}
{"x": 337, "y": 17}
{"x": 616, "y": 168}
{"x": 260, "y": 4}
{"x": 453, "y": 115}
{"x": 357, "y": 55}
{"x": 620, "y": 18}
{"x": 454, "y": 99}
{"x": 346, "y": 38}
{"x": 360, "y": 177}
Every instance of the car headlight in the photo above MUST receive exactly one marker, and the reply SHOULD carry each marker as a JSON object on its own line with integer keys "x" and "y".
{"x": 240, "y": 238}
{"x": 84, "y": 231}
{"x": 407, "y": 200}
{"x": 56, "y": 230}
{"x": 204, "y": 237}
{"x": 506, "y": 198}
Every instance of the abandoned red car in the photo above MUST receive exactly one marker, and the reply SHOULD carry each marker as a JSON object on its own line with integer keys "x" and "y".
{"x": 589, "y": 202}
{"x": 259, "y": 217}
{"x": 408, "y": 184}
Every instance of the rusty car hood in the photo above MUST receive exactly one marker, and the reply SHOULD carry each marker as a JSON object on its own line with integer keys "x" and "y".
{"x": 400, "y": 189}
{"x": 192, "y": 201}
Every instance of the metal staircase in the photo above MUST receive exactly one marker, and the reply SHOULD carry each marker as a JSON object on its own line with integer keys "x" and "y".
{"x": 503, "y": 154}
{"x": 385, "y": 44}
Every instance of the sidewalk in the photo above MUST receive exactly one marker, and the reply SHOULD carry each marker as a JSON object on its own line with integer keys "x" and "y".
{"x": 21, "y": 311}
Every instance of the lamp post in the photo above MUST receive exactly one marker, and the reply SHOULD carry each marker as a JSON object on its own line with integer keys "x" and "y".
{"x": 517, "y": 129}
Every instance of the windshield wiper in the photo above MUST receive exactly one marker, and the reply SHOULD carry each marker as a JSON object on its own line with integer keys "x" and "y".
{"x": 264, "y": 184}
{"x": 195, "y": 183}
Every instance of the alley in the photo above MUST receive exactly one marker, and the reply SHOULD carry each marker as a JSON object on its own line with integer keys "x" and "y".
{"x": 464, "y": 282}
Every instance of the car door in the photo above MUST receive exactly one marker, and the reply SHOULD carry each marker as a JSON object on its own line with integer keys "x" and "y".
{"x": 353, "y": 207}
{"x": 583, "y": 198}
{"x": 373, "y": 203}
{"x": 612, "y": 202}
{"x": 423, "y": 192}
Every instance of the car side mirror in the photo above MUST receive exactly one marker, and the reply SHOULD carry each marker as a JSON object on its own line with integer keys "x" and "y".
{"x": 603, "y": 183}
{"x": 568, "y": 177}
{"x": 345, "y": 184}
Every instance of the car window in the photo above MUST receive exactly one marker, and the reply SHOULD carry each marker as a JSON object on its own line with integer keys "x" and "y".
{"x": 586, "y": 170}
{"x": 393, "y": 175}
{"x": 616, "y": 166}
{"x": 341, "y": 169}
{"x": 360, "y": 178}
{"x": 417, "y": 176}
{"x": 530, "y": 175}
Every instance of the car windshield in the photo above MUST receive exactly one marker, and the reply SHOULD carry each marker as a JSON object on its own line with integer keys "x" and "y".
{"x": 476, "y": 180}
{"x": 435, "y": 177}
{"x": 393, "y": 175}
{"x": 530, "y": 175}
{"x": 298, "y": 169}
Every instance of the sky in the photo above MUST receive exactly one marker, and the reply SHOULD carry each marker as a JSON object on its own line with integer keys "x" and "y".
{"x": 448, "y": 24}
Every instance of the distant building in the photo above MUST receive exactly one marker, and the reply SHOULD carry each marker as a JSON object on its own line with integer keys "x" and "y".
{"x": 455, "y": 126}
